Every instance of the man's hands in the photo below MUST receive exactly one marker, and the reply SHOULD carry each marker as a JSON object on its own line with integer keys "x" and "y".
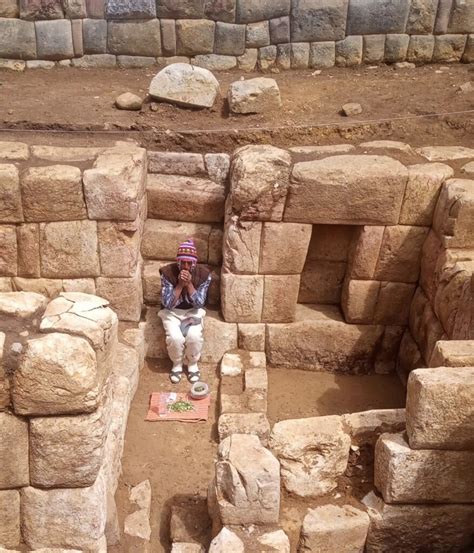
{"x": 184, "y": 278}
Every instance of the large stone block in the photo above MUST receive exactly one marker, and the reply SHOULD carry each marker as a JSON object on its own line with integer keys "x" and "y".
{"x": 241, "y": 251}
{"x": 462, "y": 17}
{"x": 154, "y": 335}
{"x": 177, "y": 163}
{"x": 134, "y": 38}
{"x": 424, "y": 325}
{"x": 439, "y": 528}
{"x": 219, "y": 337}
{"x": 41, "y": 9}
{"x": 119, "y": 249}
{"x": 421, "y": 17}
{"x": 13, "y": 452}
{"x": 49, "y": 287}
{"x": 14, "y": 151}
{"x": 396, "y": 47}
{"x": 313, "y": 21}
{"x": 257, "y": 34}
{"x": 256, "y": 424}
{"x": 251, "y": 336}
{"x": 194, "y": 37}
{"x": 440, "y": 414}
{"x": 374, "y": 49}
{"x": 333, "y": 528}
{"x": 182, "y": 198}
{"x": 468, "y": 56}
{"x": 453, "y": 353}
{"x": 69, "y": 249}
{"x": 258, "y": 95}
{"x": 453, "y": 220}
{"x": 448, "y": 48}
{"x": 20, "y": 305}
{"x": 249, "y": 11}
{"x": 64, "y": 518}
{"x": 17, "y": 39}
{"x": 321, "y": 282}
{"x": 69, "y": 381}
{"x": 4, "y": 378}
{"x": 10, "y": 208}
{"x": 259, "y": 182}
{"x": 229, "y": 39}
{"x": 377, "y": 17}
{"x": 405, "y": 475}
{"x": 322, "y": 54}
{"x": 400, "y": 253}
{"x": 364, "y": 252}
{"x": 363, "y": 427}
{"x": 242, "y": 298}
{"x": 313, "y": 453}
{"x": 320, "y": 340}
{"x": 220, "y": 10}
{"x": 28, "y": 250}
{"x": 115, "y": 186}
{"x": 136, "y": 9}
{"x": 94, "y": 36}
{"x": 151, "y": 278}
{"x": 393, "y": 303}
{"x": 409, "y": 356}
{"x": 247, "y": 482}
{"x": 280, "y": 295}
{"x": 349, "y": 51}
{"x": 347, "y": 189}
{"x": 187, "y": 9}
{"x": 125, "y": 295}
{"x": 284, "y": 247}
{"x": 420, "y": 48}
{"x": 359, "y": 300}
{"x": 8, "y": 251}
{"x": 53, "y": 193}
{"x": 424, "y": 183}
{"x": 9, "y": 8}
{"x": 75, "y": 9}
{"x": 54, "y": 39}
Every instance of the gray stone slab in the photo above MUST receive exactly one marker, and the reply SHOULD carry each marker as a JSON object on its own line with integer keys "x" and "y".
{"x": 94, "y": 61}
{"x": 95, "y": 9}
{"x": 322, "y": 54}
{"x": 267, "y": 57}
{"x": 17, "y": 39}
{"x": 299, "y": 55}
{"x": 34, "y": 10}
{"x": 449, "y": 48}
{"x": 194, "y": 37}
{"x": 374, "y": 17}
{"x": 229, "y": 39}
{"x": 421, "y": 17}
{"x": 462, "y": 17}
{"x": 318, "y": 20}
{"x": 134, "y": 38}
{"x": 220, "y": 10}
{"x": 54, "y": 39}
{"x": 77, "y": 41}
{"x": 135, "y": 61}
{"x": 130, "y": 9}
{"x": 283, "y": 60}
{"x": 257, "y": 35}
{"x": 374, "y": 48}
{"x": 94, "y": 36}
{"x": 420, "y": 48}
{"x": 182, "y": 9}
{"x": 168, "y": 37}
{"x": 349, "y": 51}
{"x": 396, "y": 47}
{"x": 251, "y": 11}
{"x": 442, "y": 17}
{"x": 280, "y": 30}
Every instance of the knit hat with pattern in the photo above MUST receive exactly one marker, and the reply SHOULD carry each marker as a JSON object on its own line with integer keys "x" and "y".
{"x": 187, "y": 251}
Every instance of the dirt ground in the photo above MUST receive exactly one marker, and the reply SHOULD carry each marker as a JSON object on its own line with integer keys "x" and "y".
{"x": 422, "y": 106}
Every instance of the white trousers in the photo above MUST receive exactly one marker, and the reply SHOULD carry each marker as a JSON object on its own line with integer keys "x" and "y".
{"x": 182, "y": 349}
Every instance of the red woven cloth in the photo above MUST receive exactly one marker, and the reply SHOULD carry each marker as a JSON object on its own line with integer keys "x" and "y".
{"x": 160, "y": 402}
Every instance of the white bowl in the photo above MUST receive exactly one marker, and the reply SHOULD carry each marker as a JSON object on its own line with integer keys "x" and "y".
{"x": 199, "y": 394}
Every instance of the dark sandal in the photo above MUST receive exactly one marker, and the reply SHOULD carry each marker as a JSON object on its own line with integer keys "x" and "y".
{"x": 194, "y": 376}
{"x": 175, "y": 376}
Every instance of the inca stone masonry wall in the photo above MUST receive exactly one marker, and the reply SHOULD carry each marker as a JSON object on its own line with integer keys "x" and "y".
{"x": 221, "y": 34}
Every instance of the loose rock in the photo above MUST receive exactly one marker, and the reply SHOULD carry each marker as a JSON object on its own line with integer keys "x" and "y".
{"x": 129, "y": 101}
{"x": 254, "y": 95}
{"x": 351, "y": 109}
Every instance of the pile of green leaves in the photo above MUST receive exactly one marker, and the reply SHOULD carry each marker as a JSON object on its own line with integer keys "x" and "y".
{"x": 180, "y": 406}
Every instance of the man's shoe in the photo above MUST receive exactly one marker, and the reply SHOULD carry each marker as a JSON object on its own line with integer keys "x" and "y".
{"x": 193, "y": 373}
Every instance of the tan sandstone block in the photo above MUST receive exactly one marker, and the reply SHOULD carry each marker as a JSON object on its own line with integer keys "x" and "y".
{"x": 424, "y": 325}
{"x": 84, "y": 285}
{"x": 15, "y": 151}
{"x": 219, "y": 337}
{"x": 8, "y": 251}
{"x": 53, "y": 193}
{"x": 242, "y": 298}
{"x": 280, "y": 295}
{"x": 119, "y": 249}
{"x": 28, "y": 250}
{"x": 114, "y": 188}
{"x": 400, "y": 253}
{"x": 251, "y": 336}
{"x": 241, "y": 251}
{"x": 331, "y": 242}
{"x": 244, "y": 423}
{"x": 154, "y": 335}
{"x": 69, "y": 249}
{"x": 183, "y": 198}
{"x": 259, "y": 182}
{"x": 62, "y": 154}
{"x": 124, "y": 294}
{"x": 176, "y": 163}
{"x": 10, "y": 208}
{"x": 216, "y": 238}
{"x": 21, "y": 305}
{"x": 347, "y": 189}
{"x": 152, "y": 281}
{"x": 393, "y": 303}
{"x": 432, "y": 256}
{"x": 4, "y": 380}
{"x": 364, "y": 252}
{"x": 13, "y": 452}
{"x": 359, "y": 300}
{"x": 453, "y": 353}
{"x": 366, "y": 425}
{"x": 69, "y": 381}
{"x": 10, "y": 516}
{"x": 387, "y": 352}
{"x": 440, "y": 413}
{"x": 409, "y": 356}
{"x": 46, "y": 286}
{"x": 5, "y": 284}
{"x": 405, "y": 475}
{"x": 454, "y": 215}
{"x": 284, "y": 247}
{"x": 424, "y": 183}
{"x": 322, "y": 281}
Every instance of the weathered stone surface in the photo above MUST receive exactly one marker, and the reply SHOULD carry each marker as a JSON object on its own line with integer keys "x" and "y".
{"x": 53, "y": 193}
{"x": 279, "y": 298}
{"x": 69, "y": 382}
{"x": 283, "y": 60}
{"x": 64, "y": 517}
{"x": 217, "y": 166}
{"x": 215, "y": 62}
{"x": 10, "y": 208}
{"x": 396, "y": 48}
{"x": 332, "y": 528}
{"x": 257, "y": 35}
{"x": 364, "y": 252}
{"x": 400, "y": 252}
{"x": 95, "y": 61}
{"x": 259, "y": 182}
{"x": 115, "y": 186}
{"x": 251, "y": 336}
{"x": 376, "y": 17}
{"x": 405, "y": 475}
{"x": 249, "y": 11}
{"x": 448, "y": 48}
{"x": 420, "y": 48}
{"x": 359, "y": 300}
{"x": 313, "y": 453}
{"x": 248, "y": 60}
{"x": 9, "y": 8}
{"x": 64, "y": 154}
{"x": 229, "y": 39}
{"x": 241, "y": 250}
{"x": 45, "y": 286}
{"x": 13, "y": 452}
{"x": 185, "y": 199}
{"x": 152, "y": 281}
{"x": 351, "y": 109}
{"x": 13, "y": 151}
{"x": 284, "y": 247}
{"x": 125, "y": 295}
{"x": 138, "y": 9}
{"x": 374, "y": 48}
{"x": 12, "y": 65}
{"x": 437, "y": 527}
{"x": 346, "y": 189}
{"x": 254, "y": 95}
{"x": 219, "y": 337}
{"x": 28, "y": 250}
{"x": 321, "y": 282}
{"x": 119, "y": 249}
{"x": 322, "y": 54}
{"x": 17, "y": 39}
{"x": 194, "y": 36}
{"x": 8, "y": 251}
{"x": 439, "y": 410}
{"x": 54, "y": 39}
{"x": 349, "y": 51}
{"x": 185, "y": 85}
{"x": 69, "y": 249}
{"x": 21, "y": 305}
{"x": 227, "y": 541}
{"x": 247, "y": 482}
{"x": 318, "y": 21}
{"x": 445, "y": 153}
{"x": 220, "y": 10}
{"x": 75, "y": 9}
{"x": 319, "y": 339}
{"x": 10, "y": 516}
{"x": 182, "y": 10}
{"x": 367, "y": 423}
{"x": 453, "y": 220}
{"x": 468, "y": 56}
{"x": 462, "y": 18}
{"x": 37, "y": 9}
{"x": 128, "y": 101}
{"x": 421, "y": 17}
{"x": 393, "y": 303}
{"x": 409, "y": 356}
{"x": 84, "y": 285}
{"x": 244, "y": 423}
{"x": 5, "y": 284}
{"x": 424, "y": 325}
{"x": 242, "y": 298}
{"x": 267, "y": 56}
{"x": 134, "y": 38}
{"x": 177, "y": 163}
{"x": 453, "y": 353}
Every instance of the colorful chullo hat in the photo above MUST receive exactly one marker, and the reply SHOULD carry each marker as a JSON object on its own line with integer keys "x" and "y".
{"x": 187, "y": 251}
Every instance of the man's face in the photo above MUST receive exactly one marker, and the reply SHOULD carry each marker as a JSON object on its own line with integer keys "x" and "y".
{"x": 186, "y": 265}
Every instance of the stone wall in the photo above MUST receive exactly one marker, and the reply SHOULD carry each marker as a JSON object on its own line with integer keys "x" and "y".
{"x": 222, "y": 34}
{"x": 66, "y": 384}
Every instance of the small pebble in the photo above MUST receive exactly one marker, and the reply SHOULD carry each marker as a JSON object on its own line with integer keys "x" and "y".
{"x": 317, "y": 72}
{"x": 352, "y": 108}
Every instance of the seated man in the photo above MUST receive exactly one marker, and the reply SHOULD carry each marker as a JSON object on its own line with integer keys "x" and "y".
{"x": 184, "y": 288}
